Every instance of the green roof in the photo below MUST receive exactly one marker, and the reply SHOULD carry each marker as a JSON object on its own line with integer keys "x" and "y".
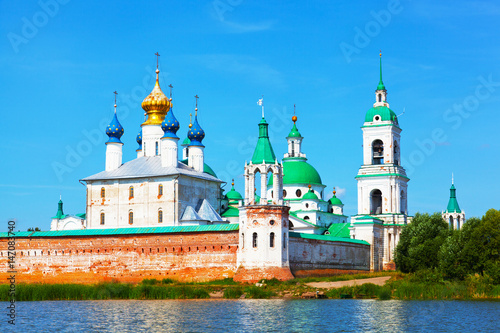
{"x": 340, "y": 230}
{"x": 83, "y": 216}
{"x": 453, "y": 203}
{"x": 60, "y": 214}
{"x": 263, "y": 149}
{"x": 233, "y": 195}
{"x": 310, "y": 195}
{"x": 294, "y": 133}
{"x": 335, "y": 201}
{"x": 231, "y": 212}
{"x": 206, "y": 168}
{"x": 327, "y": 238}
{"x": 380, "y": 85}
{"x": 186, "y": 142}
{"x": 384, "y": 112}
{"x": 126, "y": 231}
{"x": 298, "y": 171}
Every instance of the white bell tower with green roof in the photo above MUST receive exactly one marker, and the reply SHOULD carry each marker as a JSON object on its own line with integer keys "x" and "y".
{"x": 453, "y": 215}
{"x": 382, "y": 182}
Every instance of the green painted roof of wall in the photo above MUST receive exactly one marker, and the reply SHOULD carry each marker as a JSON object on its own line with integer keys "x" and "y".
{"x": 206, "y": 168}
{"x": 327, "y": 238}
{"x": 231, "y": 212}
{"x": 125, "y": 231}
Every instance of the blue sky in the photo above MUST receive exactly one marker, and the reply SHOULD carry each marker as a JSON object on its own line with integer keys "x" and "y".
{"x": 59, "y": 66}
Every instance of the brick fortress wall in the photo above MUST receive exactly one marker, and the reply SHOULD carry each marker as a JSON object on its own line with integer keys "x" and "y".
{"x": 312, "y": 257}
{"x": 128, "y": 258}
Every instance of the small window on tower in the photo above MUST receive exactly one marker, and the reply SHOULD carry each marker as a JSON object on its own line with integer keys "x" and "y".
{"x": 160, "y": 216}
{"x": 271, "y": 239}
{"x": 380, "y": 97}
{"x": 298, "y": 193}
{"x": 131, "y": 218}
{"x": 103, "y": 192}
{"x": 284, "y": 193}
{"x": 378, "y": 152}
{"x": 156, "y": 149}
{"x": 102, "y": 218}
{"x": 160, "y": 189}
{"x": 131, "y": 192}
{"x": 254, "y": 240}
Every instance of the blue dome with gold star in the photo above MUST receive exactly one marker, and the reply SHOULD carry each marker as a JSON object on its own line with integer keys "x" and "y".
{"x": 139, "y": 139}
{"x": 170, "y": 125}
{"x": 114, "y": 131}
{"x": 196, "y": 134}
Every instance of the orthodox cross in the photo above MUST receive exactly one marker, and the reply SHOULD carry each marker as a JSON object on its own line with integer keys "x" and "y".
{"x": 157, "y": 56}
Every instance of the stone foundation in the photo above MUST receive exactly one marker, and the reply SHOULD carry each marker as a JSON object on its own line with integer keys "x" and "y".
{"x": 252, "y": 275}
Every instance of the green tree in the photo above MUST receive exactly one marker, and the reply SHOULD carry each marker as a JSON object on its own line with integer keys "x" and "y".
{"x": 457, "y": 254}
{"x": 473, "y": 249}
{"x": 420, "y": 242}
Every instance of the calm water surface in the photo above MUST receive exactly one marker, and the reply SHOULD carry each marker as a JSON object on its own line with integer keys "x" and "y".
{"x": 254, "y": 316}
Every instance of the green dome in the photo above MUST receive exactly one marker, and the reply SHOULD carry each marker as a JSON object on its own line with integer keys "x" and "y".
{"x": 335, "y": 201}
{"x": 310, "y": 196}
{"x": 298, "y": 171}
{"x": 233, "y": 195}
{"x": 294, "y": 133}
{"x": 206, "y": 168}
{"x": 384, "y": 112}
{"x": 186, "y": 142}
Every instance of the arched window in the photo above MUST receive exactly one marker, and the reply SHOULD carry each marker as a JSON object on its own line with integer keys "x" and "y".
{"x": 380, "y": 98}
{"x": 451, "y": 222}
{"x": 376, "y": 202}
{"x": 187, "y": 152}
{"x": 284, "y": 240}
{"x": 271, "y": 239}
{"x": 242, "y": 241}
{"x": 396, "y": 153}
{"x": 144, "y": 145}
{"x": 458, "y": 222}
{"x": 160, "y": 216}
{"x": 156, "y": 148}
{"x": 131, "y": 218}
{"x": 306, "y": 218}
{"x": 254, "y": 240}
{"x": 103, "y": 192}
{"x": 290, "y": 225}
{"x": 272, "y": 194}
{"x": 102, "y": 218}
{"x": 403, "y": 203}
{"x": 293, "y": 148}
{"x": 130, "y": 192}
{"x": 160, "y": 189}
{"x": 284, "y": 193}
{"x": 298, "y": 193}
{"x": 378, "y": 152}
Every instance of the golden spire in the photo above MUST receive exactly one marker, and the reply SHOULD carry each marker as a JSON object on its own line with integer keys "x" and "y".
{"x": 171, "y": 87}
{"x": 190, "y": 120}
{"x": 156, "y": 104}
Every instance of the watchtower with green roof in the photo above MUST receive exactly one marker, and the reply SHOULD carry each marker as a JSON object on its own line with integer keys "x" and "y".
{"x": 453, "y": 215}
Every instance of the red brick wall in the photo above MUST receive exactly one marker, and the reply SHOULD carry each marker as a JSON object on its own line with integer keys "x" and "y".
{"x": 128, "y": 258}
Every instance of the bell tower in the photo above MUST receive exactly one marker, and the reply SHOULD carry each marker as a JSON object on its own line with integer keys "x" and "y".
{"x": 382, "y": 182}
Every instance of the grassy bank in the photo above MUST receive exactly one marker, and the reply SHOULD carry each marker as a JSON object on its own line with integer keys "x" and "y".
{"x": 421, "y": 286}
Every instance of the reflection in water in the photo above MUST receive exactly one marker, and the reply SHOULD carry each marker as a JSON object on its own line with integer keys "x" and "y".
{"x": 254, "y": 316}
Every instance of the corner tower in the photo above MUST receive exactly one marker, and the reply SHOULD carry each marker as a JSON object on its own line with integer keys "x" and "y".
{"x": 263, "y": 232}
{"x": 453, "y": 215}
{"x": 382, "y": 182}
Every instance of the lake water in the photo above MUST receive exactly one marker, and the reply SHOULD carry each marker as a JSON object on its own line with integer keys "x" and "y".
{"x": 254, "y": 316}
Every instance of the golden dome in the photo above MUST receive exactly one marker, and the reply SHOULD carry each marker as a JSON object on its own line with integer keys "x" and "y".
{"x": 156, "y": 105}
